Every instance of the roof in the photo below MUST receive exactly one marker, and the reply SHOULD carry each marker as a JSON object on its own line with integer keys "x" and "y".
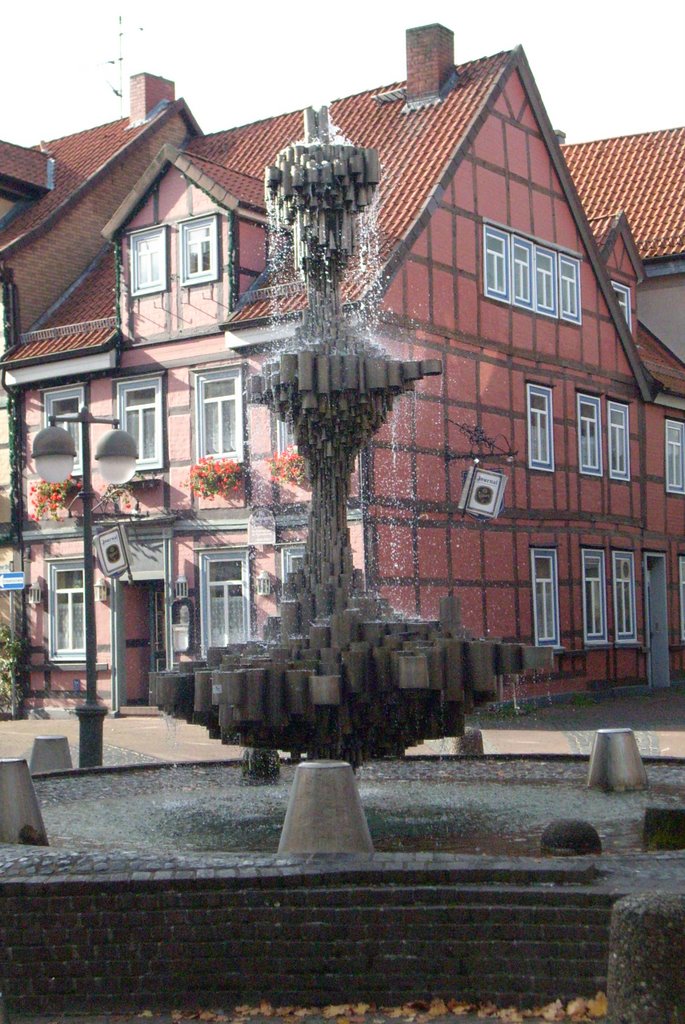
{"x": 78, "y": 158}
{"x": 643, "y": 175}
{"x": 23, "y": 172}
{"x": 607, "y": 231}
{"x": 85, "y": 318}
{"x": 662, "y": 364}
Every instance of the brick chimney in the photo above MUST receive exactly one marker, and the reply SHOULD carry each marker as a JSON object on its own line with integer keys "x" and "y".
{"x": 147, "y": 91}
{"x": 430, "y": 61}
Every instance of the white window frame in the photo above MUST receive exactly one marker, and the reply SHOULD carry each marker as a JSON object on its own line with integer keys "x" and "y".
{"x": 569, "y": 289}
{"x": 626, "y": 588}
{"x": 186, "y": 227}
{"x": 496, "y": 263}
{"x": 541, "y": 423}
{"x": 589, "y": 413}
{"x": 522, "y": 256}
{"x": 285, "y": 436}
{"x": 681, "y": 588}
{"x": 201, "y": 381}
{"x": 623, "y": 294}
{"x": 618, "y": 440}
{"x": 594, "y": 596}
{"x": 543, "y": 275}
{"x": 674, "y": 456}
{"x": 155, "y": 461}
{"x": 546, "y": 632}
{"x": 288, "y": 553}
{"x": 136, "y": 239}
{"x": 50, "y": 399}
{"x": 64, "y": 653}
{"x": 208, "y": 558}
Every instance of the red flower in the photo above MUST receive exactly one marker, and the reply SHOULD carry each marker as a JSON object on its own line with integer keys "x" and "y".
{"x": 211, "y": 477}
{"x": 288, "y": 467}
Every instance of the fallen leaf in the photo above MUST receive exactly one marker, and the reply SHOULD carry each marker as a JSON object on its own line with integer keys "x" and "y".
{"x": 437, "y": 1008}
{"x": 207, "y": 1015}
{"x": 361, "y": 1008}
{"x": 336, "y": 1011}
{"x": 576, "y": 1009}
{"x": 486, "y": 1010}
{"x": 145, "y": 1013}
{"x": 599, "y": 1006}
{"x": 553, "y": 1011}
{"x": 284, "y": 1011}
{"x": 417, "y": 1004}
{"x": 510, "y": 1014}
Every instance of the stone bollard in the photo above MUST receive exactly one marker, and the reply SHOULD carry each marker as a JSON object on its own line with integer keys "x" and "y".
{"x": 20, "y": 819}
{"x": 50, "y": 754}
{"x": 570, "y": 837}
{"x": 646, "y": 981}
{"x": 325, "y": 814}
{"x": 615, "y": 762}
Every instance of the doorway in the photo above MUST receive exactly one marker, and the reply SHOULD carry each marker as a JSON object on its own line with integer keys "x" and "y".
{"x": 656, "y": 620}
{"x": 144, "y": 630}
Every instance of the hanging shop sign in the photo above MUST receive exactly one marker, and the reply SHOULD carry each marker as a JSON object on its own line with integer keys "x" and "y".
{"x": 112, "y": 551}
{"x": 483, "y": 492}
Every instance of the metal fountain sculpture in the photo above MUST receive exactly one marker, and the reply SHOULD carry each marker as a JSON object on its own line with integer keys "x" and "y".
{"x": 341, "y": 676}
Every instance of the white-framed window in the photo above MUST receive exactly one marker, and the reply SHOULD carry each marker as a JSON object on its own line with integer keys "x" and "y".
{"x": 140, "y": 413}
{"x": 199, "y": 250}
{"x": 540, "y": 427}
{"x": 292, "y": 559}
{"x": 148, "y": 261}
{"x": 543, "y": 562}
{"x": 67, "y": 611}
{"x": 681, "y": 588}
{"x": 623, "y": 296}
{"x": 545, "y": 281}
{"x": 219, "y": 398}
{"x": 225, "y": 608}
{"x": 522, "y": 285}
{"x": 569, "y": 288}
{"x": 675, "y": 456}
{"x": 66, "y": 402}
{"x": 589, "y": 435}
{"x": 496, "y": 245}
{"x": 618, "y": 428}
{"x": 533, "y": 276}
{"x": 594, "y": 597}
{"x": 623, "y": 571}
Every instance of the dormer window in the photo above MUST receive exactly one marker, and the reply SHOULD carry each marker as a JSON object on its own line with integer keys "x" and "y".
{"x": 199, "y": 258}
{"x": 623, "y": 296}
{"x": 148, "y": 261}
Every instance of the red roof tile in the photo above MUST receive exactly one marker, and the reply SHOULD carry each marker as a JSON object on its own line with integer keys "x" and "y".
{"x": 663, "y": 365}
{"x": 415, "y": 148}
{"x": 28, "y": 166}
{"x": 89, "y": 308}
{"x": 77, "y": 158}
{"x": 643, "y": 175}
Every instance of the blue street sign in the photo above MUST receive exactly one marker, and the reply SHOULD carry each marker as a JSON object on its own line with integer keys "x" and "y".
{"x": 11, "y": 581}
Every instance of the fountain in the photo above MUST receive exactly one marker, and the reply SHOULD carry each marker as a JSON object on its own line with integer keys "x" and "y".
{"x": 339, "y": 675}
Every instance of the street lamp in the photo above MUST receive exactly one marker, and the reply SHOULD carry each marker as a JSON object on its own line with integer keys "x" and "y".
{"x": 116, "y": 453}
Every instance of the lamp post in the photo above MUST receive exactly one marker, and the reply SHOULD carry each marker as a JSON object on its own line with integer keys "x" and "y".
{"x": 53, "y": 454}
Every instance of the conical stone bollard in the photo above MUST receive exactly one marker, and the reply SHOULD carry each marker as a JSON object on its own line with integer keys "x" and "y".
{"x": 20, "y": 818}
{"x": 50, "y": 754}
{"x": 615, "y": 762}
{"x": 325, "y": 814}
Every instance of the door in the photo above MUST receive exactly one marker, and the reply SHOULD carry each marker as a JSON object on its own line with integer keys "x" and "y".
{"x": 656, "y": 620}
{"x": 143, "y": 623}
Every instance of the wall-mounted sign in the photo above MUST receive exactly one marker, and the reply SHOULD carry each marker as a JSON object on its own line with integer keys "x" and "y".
{"x": 111, "y": 551}
{"x": 261, "y": 528}
{"x": 483, "y": 492}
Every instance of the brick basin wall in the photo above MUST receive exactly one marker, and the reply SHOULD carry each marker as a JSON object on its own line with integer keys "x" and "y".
{"x": 168, "y": 939}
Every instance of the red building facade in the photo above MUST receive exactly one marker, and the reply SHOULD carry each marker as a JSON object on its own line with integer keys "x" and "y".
{"x": 485, "y": 259}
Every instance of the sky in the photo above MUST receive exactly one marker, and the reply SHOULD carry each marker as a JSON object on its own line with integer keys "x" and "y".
{"x": 602, "y": 68}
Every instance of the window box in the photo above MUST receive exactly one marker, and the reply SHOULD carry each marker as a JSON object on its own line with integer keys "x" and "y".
{"x": 148, "y": 261}
{"x": 49, "y": 500}
{"x": 199, "y": 250}
{"x": 288, "y": 467}
{"x": 215, "y": 478}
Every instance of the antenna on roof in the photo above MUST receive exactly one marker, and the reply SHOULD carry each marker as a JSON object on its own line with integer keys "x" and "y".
{"x": 120, "y": 61}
